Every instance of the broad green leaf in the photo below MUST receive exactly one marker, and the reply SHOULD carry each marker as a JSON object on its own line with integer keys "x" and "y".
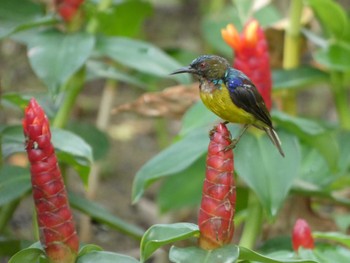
{"x": 98, "y": 69}
{"x": 314, "y": 168}
{"x": 197, "y": 116}
{"x": 270, "y": 175}
{"x": 332, "y": 253}
{"x": 14, "y": 183}
{"x": 297, "y": 78}
{"x": 250, "y": 255}
{"x": 55, "y": 56}
{"x": 117, "y": 21}
{"x": 211, "y": 29}
{"x": 343, "y": 138}
{"x": 17, "y": 15}
{"x": 225, "y": 254}
{"x": 17, "y": 99}
{"x": 331, "y": 15}
{"x": 96, "y": 138}
{"x": 140, "y": 55}
{"x": 105, "y": 257}
{"x": 88, "y": 248}
{"x": 334, "y": 56}
{"x": 162, "y": 234}
{"x": 313, "y": 134}
{"x": 174, "y": 159}
{"x": 183, "y": 189}
{"x": 70, "y": 148}
{"x": 28, "y": 255}
{"x": 73, "y": 150}
{"x": 8, "y": 247}
{"x": 340, "y": 238}
{"x": 102, "y": 215}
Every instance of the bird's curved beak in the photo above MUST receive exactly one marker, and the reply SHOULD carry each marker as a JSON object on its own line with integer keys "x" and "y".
{"x": 187, "y": 69}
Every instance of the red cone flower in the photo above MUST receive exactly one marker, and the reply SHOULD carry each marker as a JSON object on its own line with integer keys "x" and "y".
{"x": 217, "y": 209}
{"x": 57, "y": 231}
{"x": 251, "y": 56}
{"x": 301, "y": 236}
{"x": 68, "y": 8}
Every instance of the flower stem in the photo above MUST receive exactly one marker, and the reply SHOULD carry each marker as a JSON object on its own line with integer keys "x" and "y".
{"x": 341, "y": 101}
{"x": 291, "y": 50}
{"x": 253, "y": 222}
{"x": 73, "y": 88}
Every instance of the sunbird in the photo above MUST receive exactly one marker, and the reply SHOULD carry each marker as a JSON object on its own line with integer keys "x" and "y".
{"x": 231, "y": 95}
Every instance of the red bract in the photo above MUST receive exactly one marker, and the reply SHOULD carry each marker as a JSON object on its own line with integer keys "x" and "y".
{"x": 217, "y": 209}
{"x": 68, "y": 8}
{"x": 57, "y": 231}
{"x": 251, "y": 56}
{"x": 301, "y": 236}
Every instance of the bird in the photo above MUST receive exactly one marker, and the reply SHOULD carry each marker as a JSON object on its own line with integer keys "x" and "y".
{"x": 231, "y": 95}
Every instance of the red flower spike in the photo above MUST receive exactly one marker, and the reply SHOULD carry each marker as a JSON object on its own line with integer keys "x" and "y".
{"x": 68, "y": 8}
{"x": 217, "y": 209}
{"x": 251, "y": 56}
{"x": 57, "y": 231}
{"x": 301, "y": 236}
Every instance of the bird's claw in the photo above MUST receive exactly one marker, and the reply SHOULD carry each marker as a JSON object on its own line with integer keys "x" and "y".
{"x": 231, "y": 146}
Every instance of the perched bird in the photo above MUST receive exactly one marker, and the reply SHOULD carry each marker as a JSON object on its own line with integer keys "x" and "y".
{"x": 231, "y": 95}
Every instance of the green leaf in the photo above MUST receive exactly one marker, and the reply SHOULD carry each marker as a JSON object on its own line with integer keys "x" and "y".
{"x": 117, "y": 21}
{"x": 101, "y": 215}
{"x": 105, "y": 257}
{"x": 14, "y": 183}
{"x": 225, "y": 254}
{"x": 196, "y": 117}
{"x": 73, "y": 150}
{"x": 334, "y": 56}
{"x": 313, "y": 134}
{"x": 297, "y": 78}
{"x": 140, "y": 55}
{"x": 340, "y": 238}
{"x": 183, "y": 189}
{"x": 96, "y": 138}
{"x": 8, "y": 247}
{"x": 162, "y": 234}
{"x": 98, "y": 69}
{"x": 88, "y": 248}
{"x": 70, "y": 148}
{"x": 250, "y": 255}
{"x": 331, "y": 15}
{"x": 174, "y": 159}
{"x": 213, "y": 23}
{"x": 28, "y": 255}
{"x": 332, "y": 254}
{"x": 55, "y": 56}
{"x": 270, "y": 175}
{"x": 16, "y": 15}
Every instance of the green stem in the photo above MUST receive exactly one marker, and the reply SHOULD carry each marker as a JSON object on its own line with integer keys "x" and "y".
{"x": 340, "y": 95}
{"x": 253, "y": 223}
{"x": 73, "y": 88}
{"x": 291, "y": 50}
{"x": 92, "y": 26}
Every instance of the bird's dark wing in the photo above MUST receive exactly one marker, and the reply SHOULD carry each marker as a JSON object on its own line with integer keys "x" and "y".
{"x": 244, "y": 95}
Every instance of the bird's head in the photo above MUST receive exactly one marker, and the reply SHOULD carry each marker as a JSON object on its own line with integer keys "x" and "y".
{"x": 209, "y": 67}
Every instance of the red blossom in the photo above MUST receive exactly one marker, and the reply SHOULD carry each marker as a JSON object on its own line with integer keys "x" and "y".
{"x": 68, "y": 8}
{"x": 251, "y": 56}
{"x": 301, "y": 236}
{"x": 57, "y": 231}
{"x": 217, "y": 209}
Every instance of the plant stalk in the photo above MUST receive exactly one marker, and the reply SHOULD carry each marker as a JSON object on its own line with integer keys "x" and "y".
{"x": 340, "y": 95}
{"x": 73, "y": 88}
{"x": 253, "y": 222}
{"x": 102, "y": 122}
{"x": 291, "y": 51}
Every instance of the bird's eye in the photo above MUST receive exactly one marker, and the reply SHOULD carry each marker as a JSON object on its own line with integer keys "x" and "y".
{"x": 202, "y": 65}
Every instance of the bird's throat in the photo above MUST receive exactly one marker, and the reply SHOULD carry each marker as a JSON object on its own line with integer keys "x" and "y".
{"x": 208, "y": 87}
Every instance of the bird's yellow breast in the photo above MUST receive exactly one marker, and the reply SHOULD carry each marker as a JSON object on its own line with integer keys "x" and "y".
{"x": 218, "y": 101}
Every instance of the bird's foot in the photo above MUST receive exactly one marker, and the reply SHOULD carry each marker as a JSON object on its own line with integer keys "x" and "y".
{"x": 231, "y": 146}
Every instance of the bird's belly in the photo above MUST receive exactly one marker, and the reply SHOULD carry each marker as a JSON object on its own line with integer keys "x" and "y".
{"x": 220, "y": 103}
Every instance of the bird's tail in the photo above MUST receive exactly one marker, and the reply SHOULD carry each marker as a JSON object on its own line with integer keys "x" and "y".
{"x": 274, "y": 138}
